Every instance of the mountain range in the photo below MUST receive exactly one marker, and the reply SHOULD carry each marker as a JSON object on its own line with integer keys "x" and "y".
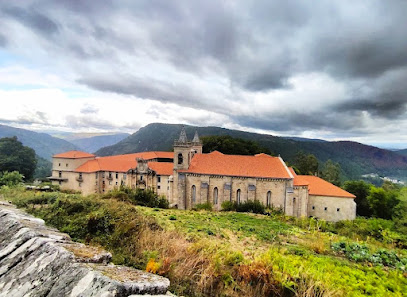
{"x": 44, "y": 144}
{"x": 355, "y": 158}
{"x": 92, "y": 144}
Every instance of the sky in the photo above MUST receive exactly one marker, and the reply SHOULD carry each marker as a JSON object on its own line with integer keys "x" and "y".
{"x": 323, "y": 69}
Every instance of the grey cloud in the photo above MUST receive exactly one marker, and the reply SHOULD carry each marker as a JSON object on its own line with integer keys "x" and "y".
{"x": 29, "y": 119}
{"x": 3, "y": 41}
{"x": 254, "y": 46}
{"x": 85, "y": 121}
{"x": 390, "y": 105}
{"x": 32, "y": 19}
{"x": 147, "y": 88}
{"x": 296, "y": 121}
{"x": 88, "y": 109}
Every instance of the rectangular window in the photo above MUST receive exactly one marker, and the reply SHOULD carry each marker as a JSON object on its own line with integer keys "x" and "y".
{"x": 59, "y": 164}
{"x": 80, "y": 175}
{"x": 103, "y": 174}
{"x": 158, "y": 179}
{"x": 80, "y": 184}
{"x": 96, "y": 182}
{"x": 117, "y": 183}
{"x": 313, "y": 207}
{"x": 326, "y": 208}
{"x": 60, "y": 182}
{"x": 96, "y": 174}
{"x": 117, "y": 175}
{"x": 110, "y": 182}
{"x": 158, "y": 187}
{"x": 338, "y": 209}
{"x": 124, "y": 176}
{"x": 141, "y": 177}
{"x": 60, "y": 174}
{"x": 110, "y": 175}
{"x": 66, "y": 164}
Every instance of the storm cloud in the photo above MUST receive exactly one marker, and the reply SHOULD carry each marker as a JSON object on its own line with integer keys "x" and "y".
{"x": 278, "y": 66}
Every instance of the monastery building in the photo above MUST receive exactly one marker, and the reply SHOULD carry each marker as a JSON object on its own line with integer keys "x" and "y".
{"x": 187, "y": 177}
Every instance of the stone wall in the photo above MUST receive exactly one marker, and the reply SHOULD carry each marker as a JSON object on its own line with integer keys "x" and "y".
{"x": 331, "y": 208}
{"x": 36, "y": 260}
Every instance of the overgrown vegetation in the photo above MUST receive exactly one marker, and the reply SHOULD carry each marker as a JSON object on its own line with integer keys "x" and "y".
{"x": 138, "y": 197}
{"x": 229, "y": 253}
{"x": 10, "y": 178}
{"x": 361, "y": 253}
{"x": 253, "y": 206}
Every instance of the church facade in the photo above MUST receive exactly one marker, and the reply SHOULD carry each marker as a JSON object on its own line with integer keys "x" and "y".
{"x": 187, "y": 177}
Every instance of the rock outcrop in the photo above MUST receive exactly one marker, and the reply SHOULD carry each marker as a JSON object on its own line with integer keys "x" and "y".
{"x": 36, "y": 260}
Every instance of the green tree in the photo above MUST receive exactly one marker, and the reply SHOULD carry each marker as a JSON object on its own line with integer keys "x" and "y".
{"x": 43, "y": 169}
{"x": 361, "y": 190}
{"x": 332, "y": 172}
{"x": 306, "y": 164}
{"x": 234, "y": 146}
{"x": 16, "y": 157}
{"x": 10, "y": 178}
{"x": 382, "y": 202}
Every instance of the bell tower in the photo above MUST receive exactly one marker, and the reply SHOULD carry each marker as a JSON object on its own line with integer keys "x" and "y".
{"x": 182, "y": 148}
{"x": 196, "y": 144}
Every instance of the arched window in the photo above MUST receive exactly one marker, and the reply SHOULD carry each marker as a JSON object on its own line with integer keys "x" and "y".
{"x": 268, "y": 202}
{"x": 180, "y": 159}
{"x": 215, "y": 196}
{"x": 193, "y": 194}
{"x": 238, "y": 196}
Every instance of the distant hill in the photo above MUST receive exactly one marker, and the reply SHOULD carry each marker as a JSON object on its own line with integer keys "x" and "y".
{"x": 44, "y": 145}
{"x": 355, "y": 158}
{"x": 92, "y": 144}
{"x": 303, "y": 139}
{"x": 402, "y": 152}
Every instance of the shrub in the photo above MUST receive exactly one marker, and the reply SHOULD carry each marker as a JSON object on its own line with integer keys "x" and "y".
{"x": 10, "y": 179}
{"x": 247, "y": 206}
{"x": 203, "y": 206}
{"x": 228, "y": 206}
{"x": 251, "y": 206}
{"x": 138, "y": 197}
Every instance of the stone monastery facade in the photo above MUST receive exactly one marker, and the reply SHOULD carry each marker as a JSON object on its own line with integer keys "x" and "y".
{"x": 187, "y": 177}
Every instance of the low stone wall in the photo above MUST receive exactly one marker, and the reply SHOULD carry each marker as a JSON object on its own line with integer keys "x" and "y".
{"x": 36, "y": 260}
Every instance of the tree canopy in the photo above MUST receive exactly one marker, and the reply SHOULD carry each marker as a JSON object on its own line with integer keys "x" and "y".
{"x": 331, "y": 172}
{"x": 14, "y": 156}
{"x": 233, "y": 146}
{"x": 361, "y": 190}
{"x": 306, "y": 164}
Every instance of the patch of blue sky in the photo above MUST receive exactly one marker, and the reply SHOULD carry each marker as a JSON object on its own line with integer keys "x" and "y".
{"x": 7, "y": 59}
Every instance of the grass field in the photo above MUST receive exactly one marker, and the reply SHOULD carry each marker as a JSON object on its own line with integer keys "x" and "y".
{"x": 207, "y": 253}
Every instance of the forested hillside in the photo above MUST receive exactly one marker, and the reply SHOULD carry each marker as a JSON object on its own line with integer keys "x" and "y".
{"x": 354, "y": 158}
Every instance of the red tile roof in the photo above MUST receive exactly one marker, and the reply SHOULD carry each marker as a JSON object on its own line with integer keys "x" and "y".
{"x": 162, "y": 168}
{"x": 292, "y": 171}
{"x": 319, "y": 187}
{"x": 120, "y": 163}
{"x": 260, "y": 165}
{"x": 73, "y": 155}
